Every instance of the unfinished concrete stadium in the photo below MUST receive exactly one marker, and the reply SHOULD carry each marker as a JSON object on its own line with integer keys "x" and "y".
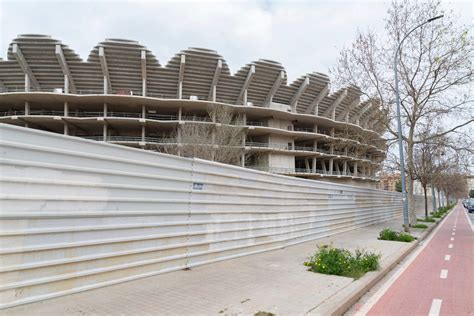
{"x": 122, "y": 95}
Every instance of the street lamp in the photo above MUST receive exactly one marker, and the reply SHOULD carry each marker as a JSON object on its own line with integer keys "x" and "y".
{"x": 399, "y": 121}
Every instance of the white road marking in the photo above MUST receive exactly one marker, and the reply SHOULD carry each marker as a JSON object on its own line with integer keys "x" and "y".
{"x": 435, "y": 307}
{"x": 453, "y": 234}
{"x": 452, "y": 238}
{"x": 443, "y": 274}
{"x": 450, "y": 246}
{"x": 447, "y": 257}
{"x": 411, "y": 257}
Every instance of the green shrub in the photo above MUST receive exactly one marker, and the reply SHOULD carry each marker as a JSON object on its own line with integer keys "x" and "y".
{"x": 426, "y": 220}
{"x": 437, "y": 214}
{"x": 337, "y": 261}
{"x": 261, "y": 313}
{"x": 388, "y": 234}
{"x": 420, "y": 226}
{"x": 405, "y": 237}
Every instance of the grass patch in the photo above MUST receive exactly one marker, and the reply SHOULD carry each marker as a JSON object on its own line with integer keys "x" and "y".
{"x": 442, "y": 211}
{"x": 338, "y": 261}
{"x": 420, "y": 226}
{"x": 426, "y": 220}
{"x": 388, "y": 234}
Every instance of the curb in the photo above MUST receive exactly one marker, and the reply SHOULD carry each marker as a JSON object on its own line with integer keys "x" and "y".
{"x": 342, "y": 301}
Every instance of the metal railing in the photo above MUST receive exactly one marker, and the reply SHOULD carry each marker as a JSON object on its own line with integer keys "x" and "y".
{"x": 136, "y": 139}
{"x": 303, "y": 129}
{"x": 161, "y": 117}
{"x": 196, "y": 118}
{"x": 85, "y": 114}
{"x": 255, "y": 123}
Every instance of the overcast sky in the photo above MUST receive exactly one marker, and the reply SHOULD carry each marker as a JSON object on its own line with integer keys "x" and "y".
{"x": 304, "y": 36}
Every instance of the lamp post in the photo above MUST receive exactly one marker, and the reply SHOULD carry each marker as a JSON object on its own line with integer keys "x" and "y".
{"x": 406, "y": 220}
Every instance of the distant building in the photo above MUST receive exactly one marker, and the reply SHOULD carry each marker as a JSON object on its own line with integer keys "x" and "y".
{"x": 388, "y": 181}
{"x": 122, "y": 95}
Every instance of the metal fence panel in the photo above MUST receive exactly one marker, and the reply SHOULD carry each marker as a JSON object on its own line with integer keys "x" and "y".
{"x": 77, "y": 214}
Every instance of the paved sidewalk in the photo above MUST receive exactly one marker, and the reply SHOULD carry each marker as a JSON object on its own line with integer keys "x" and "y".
{"x": 440, "y": 281}
{"x": 274, "y": 281}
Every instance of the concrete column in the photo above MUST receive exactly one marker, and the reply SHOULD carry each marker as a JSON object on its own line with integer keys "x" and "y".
{"x": 104, "y": 132}
{"x": 143, "y": 111}
{"x": 179, "y": 135}
{"x": 214, "y": 93}
{"x": 180, "y": 113}
{"x": 363, "y": 171}
{"x": 331, "y": 150}
{"x": 27, "y": 108}
{"x": 344, "y": 168}
{"x": 66, "y": 113}
{"x": 245, "y": 97}
{"x": 180, "y": 90}
{"x": 178, "y": 140}
{"x": 143, "y": 66}
{"x": 143, "y": 133}
{"x": 314, "y": 165}
{"x": 355, "y": 169}
{"x": 331, "y": 164}
{"x": 214, "y": 119}
{"x": 323, "y": 164}
{"x": 105, "y": 109}
{"x": 315, "y": 128}
{"x": 27, "y": 83}
{"x": 306, "y": 164}
{"x": 66, "y": 84}
{"x": 105, "y": 85}
{"x": 242, "y": 160}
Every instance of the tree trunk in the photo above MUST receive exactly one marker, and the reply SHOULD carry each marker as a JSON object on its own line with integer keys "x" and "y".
{"x": 439, "y": 199}
{"x": 411, "y": 198}
{"x": 426, "y": 201}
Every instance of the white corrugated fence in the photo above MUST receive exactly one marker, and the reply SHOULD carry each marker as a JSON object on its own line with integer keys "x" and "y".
{"x": 79, "y": 214}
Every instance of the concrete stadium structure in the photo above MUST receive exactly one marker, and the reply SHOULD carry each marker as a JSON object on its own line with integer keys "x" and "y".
{"x": 122, "y": 95}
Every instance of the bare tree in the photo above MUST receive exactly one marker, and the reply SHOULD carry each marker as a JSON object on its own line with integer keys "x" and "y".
{"x": 435, "y": 75}
{"x": 218, "y": 138}
{"x": 427, "y": 161}
{"x": 227, "y": 135}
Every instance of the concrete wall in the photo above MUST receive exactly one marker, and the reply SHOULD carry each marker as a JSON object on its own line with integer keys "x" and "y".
{"x": 79, "y": 214}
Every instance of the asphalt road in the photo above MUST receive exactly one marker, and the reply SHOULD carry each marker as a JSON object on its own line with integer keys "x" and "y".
{"x": 440, "y": 280}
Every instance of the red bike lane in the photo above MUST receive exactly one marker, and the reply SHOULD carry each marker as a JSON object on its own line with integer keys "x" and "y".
{"x": 440, "y": 281}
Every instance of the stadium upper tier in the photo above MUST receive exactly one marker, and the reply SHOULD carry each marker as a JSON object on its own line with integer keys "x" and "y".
{"x": 124, "y": 67}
